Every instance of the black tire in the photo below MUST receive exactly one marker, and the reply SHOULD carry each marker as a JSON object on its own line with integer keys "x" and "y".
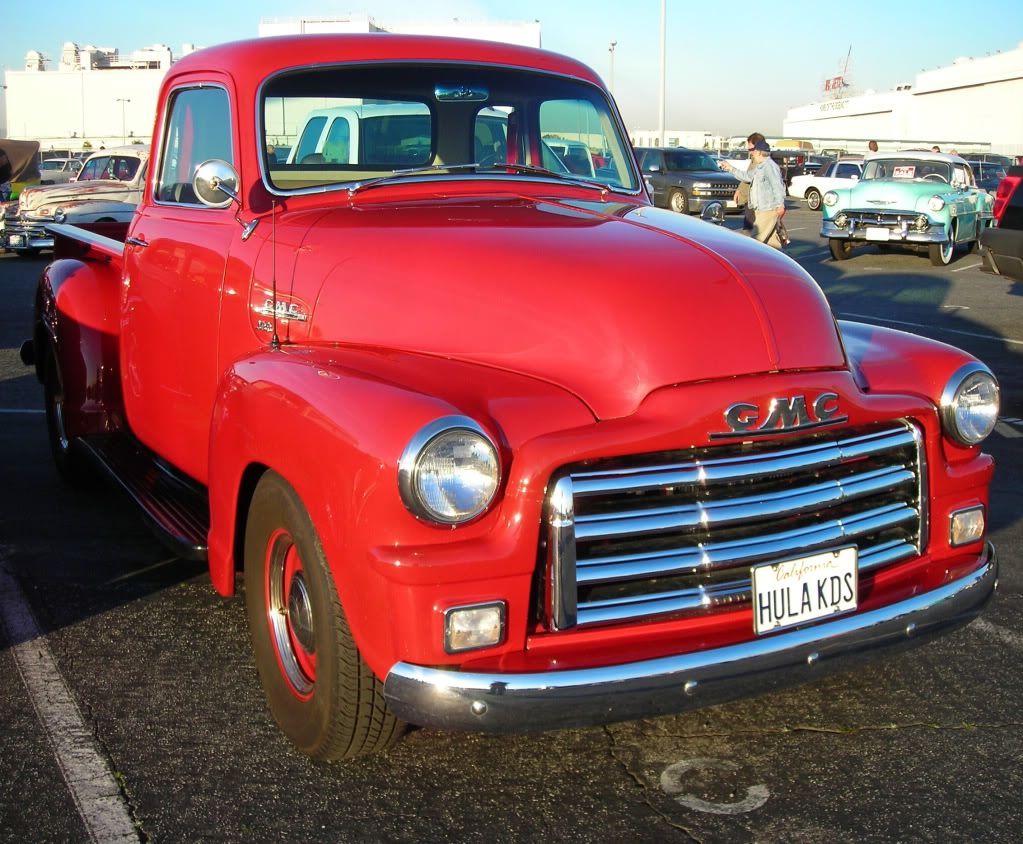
{"x": 941, "y": 254}
{"x": 71, "y": 464}
{"x": 813, "y": 199}
{"x": 840, "y": 249}
{"x": 320, "y": 691}
{"x": 678, "y": 202}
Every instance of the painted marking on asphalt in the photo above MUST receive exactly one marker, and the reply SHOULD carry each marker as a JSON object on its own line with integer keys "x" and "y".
{"x": 994, "y": 337}
{"x": 1007, "y": 431}
{"x": 967, "y": 267}
{"x": 813, "y": 255}
{"x": 20, "y": 410}
{"x": 1009, "y": 637}
{"x": 671, "y": 784}
{"x": 99, "y": 801}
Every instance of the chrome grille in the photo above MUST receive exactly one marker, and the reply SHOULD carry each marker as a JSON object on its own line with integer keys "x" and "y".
{"x": 891, "y": 219}
{"x": 677, "y": 533}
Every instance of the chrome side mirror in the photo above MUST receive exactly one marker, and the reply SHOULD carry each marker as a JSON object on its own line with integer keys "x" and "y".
{"x": 216, "y": 185}
{"x": 713, "y": 212}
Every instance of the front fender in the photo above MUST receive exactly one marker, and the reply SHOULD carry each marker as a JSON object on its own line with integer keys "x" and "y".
{"x": 334, "y": 422}
{"x": 884, "y": 360}
{"x": 77, "y": 320}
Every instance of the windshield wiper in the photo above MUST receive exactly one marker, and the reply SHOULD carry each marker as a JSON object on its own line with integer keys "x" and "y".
{"x": 474, "y": 167}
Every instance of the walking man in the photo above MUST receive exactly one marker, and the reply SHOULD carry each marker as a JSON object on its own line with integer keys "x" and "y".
{"x": 766, "y": 193}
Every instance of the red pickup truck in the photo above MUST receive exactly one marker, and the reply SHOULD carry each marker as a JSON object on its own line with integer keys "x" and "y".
{"x": 496, "y": 446}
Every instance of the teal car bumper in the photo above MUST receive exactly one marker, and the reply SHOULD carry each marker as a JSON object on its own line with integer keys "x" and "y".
{"x": 886, "y": 228}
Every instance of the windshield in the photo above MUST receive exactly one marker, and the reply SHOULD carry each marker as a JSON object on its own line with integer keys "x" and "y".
{"x": 689, "y": 160}
{"x": 349, "y": 125}
{"x": 908, "y": 168}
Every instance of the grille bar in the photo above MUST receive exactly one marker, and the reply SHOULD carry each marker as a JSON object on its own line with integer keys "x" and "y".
{"x": 647, "y": 536}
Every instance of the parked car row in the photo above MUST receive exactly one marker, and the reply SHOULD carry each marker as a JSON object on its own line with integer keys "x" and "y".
{"x": 1002, "y": 245}
{"x": 107, "y": 190}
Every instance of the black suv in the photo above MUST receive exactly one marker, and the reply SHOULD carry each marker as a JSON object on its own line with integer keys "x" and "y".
{"x": 1002, "y": 246}
{"x": 685, "y": 180}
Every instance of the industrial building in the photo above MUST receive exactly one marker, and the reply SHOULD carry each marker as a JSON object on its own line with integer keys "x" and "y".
{"x": 971, "y": 105}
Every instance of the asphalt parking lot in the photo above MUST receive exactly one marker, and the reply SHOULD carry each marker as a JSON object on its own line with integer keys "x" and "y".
{"x": 924, "y": 747}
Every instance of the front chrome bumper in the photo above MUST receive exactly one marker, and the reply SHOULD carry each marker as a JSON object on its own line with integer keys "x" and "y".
{"x": 558, "y": 699}
{"x": 896, "y": 234}
{"x": 20, "y": 234}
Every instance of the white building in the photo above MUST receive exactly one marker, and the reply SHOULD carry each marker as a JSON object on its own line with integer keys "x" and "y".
{"x": 95, "y": 95}
{"x": 524, "y": 33}
{"x": 971, "y": 105}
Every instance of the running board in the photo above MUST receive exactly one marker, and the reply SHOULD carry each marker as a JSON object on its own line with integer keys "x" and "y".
{"x": 176, "y": 507}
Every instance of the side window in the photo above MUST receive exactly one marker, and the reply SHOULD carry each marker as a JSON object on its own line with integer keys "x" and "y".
{"x": 337, "y": 147}
{"x": 310, "y": 139}
{"x": 847, "y": 171}
{"x": 198, "y": 129}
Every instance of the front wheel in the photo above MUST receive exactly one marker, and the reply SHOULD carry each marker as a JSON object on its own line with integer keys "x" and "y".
{"x": 813, "y": 199}
{"x": 941, "y": 253}
{"x": 840, "y": 249}
{"x": 321, "y": 693}
{"x": 71, "y": 465}
{"x": 678, "y": 202}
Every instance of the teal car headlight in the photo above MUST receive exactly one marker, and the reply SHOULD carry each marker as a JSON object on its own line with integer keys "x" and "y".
{"x": 970, "y": 403}
{"x": 449, "y": 472}
{"x": 935, "y": 203}
{"x": 830, "y": 198}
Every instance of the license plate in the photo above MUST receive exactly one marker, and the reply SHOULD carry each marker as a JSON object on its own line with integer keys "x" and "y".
{"x": 804, "y": 589}
{"x": 874, "y": 233}
{"x": 16, "y": 240}
{"x": 732, "y": 204}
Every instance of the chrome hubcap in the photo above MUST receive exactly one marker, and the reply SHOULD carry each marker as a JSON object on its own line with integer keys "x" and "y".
{"x": 300, "y": 613}
{"x": 290, "y": 614}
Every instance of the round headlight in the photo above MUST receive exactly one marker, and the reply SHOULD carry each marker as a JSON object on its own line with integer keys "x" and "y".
{"x": 59, "y": 215}
{"x": 969, "y": 404}
{"x": 830, "y": 198}
{"x": 449, "y": 471}
{"x": 935, "y": 203}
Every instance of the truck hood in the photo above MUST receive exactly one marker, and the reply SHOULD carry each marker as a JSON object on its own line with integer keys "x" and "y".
{"x": 46, "y": 195}
{"x": 608, "y": 301}
{"x": 885, "y": 194}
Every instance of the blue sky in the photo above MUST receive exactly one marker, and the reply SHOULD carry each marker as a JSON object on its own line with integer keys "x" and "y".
{"x": 731, "y": 68}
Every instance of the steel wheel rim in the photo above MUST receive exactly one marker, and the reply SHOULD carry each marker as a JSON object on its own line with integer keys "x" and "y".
{"x": 290, "y": 614}
{"x": 946, "y": 251}
{"x": 678, "y": 203}
{"x": 813, "y": 201}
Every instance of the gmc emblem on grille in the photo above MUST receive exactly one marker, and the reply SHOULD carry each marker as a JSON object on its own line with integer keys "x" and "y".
{"x": 783, "y": 414}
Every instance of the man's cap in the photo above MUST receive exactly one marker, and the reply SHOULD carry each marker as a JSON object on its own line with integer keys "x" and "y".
{"x": 762, "y": 146}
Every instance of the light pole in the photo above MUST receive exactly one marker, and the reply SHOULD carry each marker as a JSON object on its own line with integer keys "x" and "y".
{"x": 663, "y": 98}
{"x": 611, "y": 76}
{"x": 124, "y": 135}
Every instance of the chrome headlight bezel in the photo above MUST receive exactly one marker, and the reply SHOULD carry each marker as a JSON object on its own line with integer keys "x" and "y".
{"x": 935, "y": 203}
{"x": 414, "y": 475}
{"x": 958, "y": 405}
{"x": 830, "y": 198}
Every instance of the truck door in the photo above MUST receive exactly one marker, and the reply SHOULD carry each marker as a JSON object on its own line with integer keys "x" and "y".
{"x": 174, "y": 269}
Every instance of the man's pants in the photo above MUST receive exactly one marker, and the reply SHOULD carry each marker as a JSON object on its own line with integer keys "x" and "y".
{"x": 765, "y": 227}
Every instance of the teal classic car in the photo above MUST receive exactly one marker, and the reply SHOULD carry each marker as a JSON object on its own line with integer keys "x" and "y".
{"x": 925, "y": 201}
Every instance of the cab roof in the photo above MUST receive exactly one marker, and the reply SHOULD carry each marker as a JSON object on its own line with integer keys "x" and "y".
{"x": 249, "y": 62}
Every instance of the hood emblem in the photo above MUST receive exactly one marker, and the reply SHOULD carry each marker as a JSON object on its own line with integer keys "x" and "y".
{"x": 881, "y": 201}
{"x": 783, "y": 414}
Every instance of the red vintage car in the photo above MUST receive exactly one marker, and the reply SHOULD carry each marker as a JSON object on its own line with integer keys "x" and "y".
{"x": 495, "y": 445}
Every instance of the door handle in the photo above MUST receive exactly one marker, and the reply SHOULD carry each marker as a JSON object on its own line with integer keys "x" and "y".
{"x": 137, "y": 241}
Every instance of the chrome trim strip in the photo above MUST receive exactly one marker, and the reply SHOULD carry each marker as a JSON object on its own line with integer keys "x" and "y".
{"x": 561, "y": 559}
{"x": 493, "y": 702}
{"x": 733, "y": 592}
{"x": 725, "y": 511}
{"x": 713, "y": 556}
{"x": 721, "y": 470}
